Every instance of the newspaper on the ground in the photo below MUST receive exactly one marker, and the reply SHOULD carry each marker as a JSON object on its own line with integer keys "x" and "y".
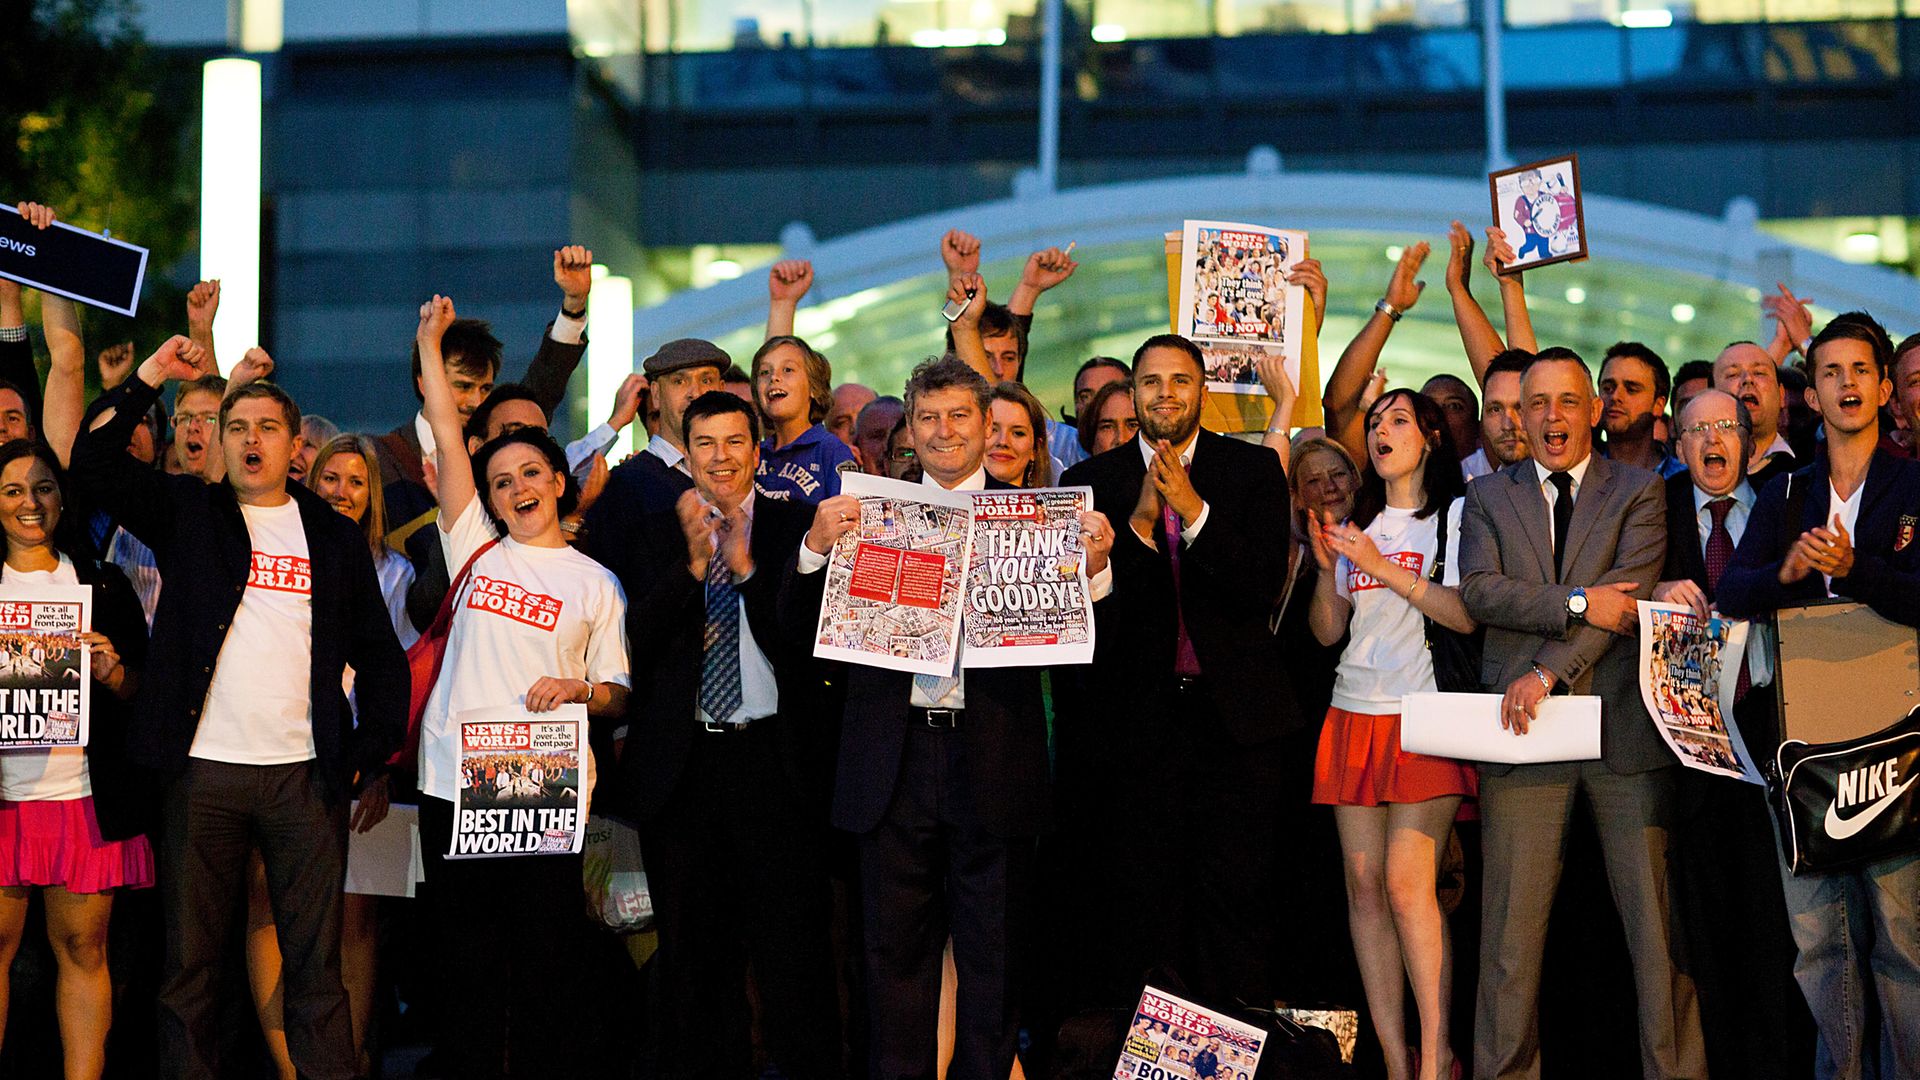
{"x": 523, "y": 786}
{"x": 1235, "y": 302}
{"x": 1168, "y": 1036}
{"x": 1027, "y": 600}
{"x": 1689, "y": 671}
{"x": 45, "y": 667}
{"x": 893, "y": 590}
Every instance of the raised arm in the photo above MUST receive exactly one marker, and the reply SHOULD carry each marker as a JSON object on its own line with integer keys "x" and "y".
{"x": 564, "y": 342}
{"x": 137, "y": 495}
{"x": 1044, "y": 270}
{"x": 16, "y": 353}
{"x": 1308, "y": 274}
{"x": 66, "y": 397}
{"x": 203, "y": 302}
{"x": 1281, "y": 391}
{"x": 787, "y": 282}
{"x": 1792, "y": 323}
{"x": 1513, "y": 294}
{"x": 1477, "y": 335}
{"x": 970, "y": 289}
{"x": 453, "y": 480}
{"x": 1345, "y": 415}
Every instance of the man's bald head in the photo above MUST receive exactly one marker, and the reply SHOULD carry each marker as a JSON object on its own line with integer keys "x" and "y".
{"x": 848, "y": 400}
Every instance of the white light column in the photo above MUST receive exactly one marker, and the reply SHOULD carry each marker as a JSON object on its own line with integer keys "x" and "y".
{"x": 230, "y": 201}
{"x": 609, "y": 353}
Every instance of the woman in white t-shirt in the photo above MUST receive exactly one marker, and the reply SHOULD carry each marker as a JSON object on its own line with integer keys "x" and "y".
{"x": 535, "y": 624}
{"x": 1393, "y": 809}
{"x": 56, "y": 838}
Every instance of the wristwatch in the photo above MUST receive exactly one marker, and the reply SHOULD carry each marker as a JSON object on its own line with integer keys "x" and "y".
{"x": 1576, "y": 605}
{"x": 1388, "y": 310}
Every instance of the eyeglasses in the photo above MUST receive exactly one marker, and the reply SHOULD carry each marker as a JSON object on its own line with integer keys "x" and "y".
{"x": 195, "y": 419}
{"x": 904, "y": 454}
{"x": 1703, "y": 427}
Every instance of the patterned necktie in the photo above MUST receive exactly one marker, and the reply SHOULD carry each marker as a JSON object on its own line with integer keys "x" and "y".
{"x": 1719, "y": 554}
{"x": 935, "y": 688}
{"x": 1186, "y": 662}
{"x": 720, "y": 693}
{"x": 1562, "y": 520}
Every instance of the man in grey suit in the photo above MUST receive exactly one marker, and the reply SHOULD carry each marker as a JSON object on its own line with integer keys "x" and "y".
{"x": 1554, "y": 551}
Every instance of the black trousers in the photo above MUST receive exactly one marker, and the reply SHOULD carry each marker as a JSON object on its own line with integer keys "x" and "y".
{"x": 513, "y": 944}
{"x": 738, "y": 874}
{"x": 215, "y": 814}
{"x": 924, "y": 876}
{"x": 1181, "y": 846}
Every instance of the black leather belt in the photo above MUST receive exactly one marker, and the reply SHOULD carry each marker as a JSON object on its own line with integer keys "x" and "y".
{"x": 727, "y": 729}
{"x": 940, "y": 719}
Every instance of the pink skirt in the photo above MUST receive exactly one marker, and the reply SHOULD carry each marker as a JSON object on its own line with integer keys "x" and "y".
{"x": 58, "y": 842}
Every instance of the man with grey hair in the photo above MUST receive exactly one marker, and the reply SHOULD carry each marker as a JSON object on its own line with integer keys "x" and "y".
{"x": 1726, "y": 881}
{"x": 943, "y": 780}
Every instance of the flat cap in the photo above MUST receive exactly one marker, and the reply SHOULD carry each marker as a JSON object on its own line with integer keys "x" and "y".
{"x": 683, "y": 353}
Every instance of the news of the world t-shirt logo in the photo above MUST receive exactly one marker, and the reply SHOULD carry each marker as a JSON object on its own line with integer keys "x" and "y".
{"x": 537, "y": 610}
{"x": 1412, "y": 561}
{"x": 281, "y": 573}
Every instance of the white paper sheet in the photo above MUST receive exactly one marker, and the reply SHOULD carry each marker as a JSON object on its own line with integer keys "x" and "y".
{"x": 385, "y": 860}
{"x": 1467, "y": 727}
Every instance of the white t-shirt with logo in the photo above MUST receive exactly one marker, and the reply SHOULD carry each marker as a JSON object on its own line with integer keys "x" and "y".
{"x": 524, "y": 613}
{"x": 43, "y": 774}
{"x": 259, "y": 710}
{"x": 1386, "y": 654}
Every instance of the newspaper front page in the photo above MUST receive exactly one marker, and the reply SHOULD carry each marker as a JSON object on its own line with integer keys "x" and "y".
{"x": 1027, "y": 600}
{"x": 523, "y": 787}
{"x": 45, "y": 688}
{"x": 893, "y": 591}
{"x": 1689, "y": 671}
{"x": 1235, "y": 302}
{"x": 1171, "y": 1038}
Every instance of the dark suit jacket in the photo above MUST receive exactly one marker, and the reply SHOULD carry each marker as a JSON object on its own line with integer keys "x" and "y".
{"x": 1001, "y": 738}
{"x": 1618, "y": 533}
{"x": 201, "y": 541}
{"x": 1886, "y": 556}
{"x": 120, "y": 798}
{"x": 401, "y": 477}
{"x": 667, "y": 638}
{"x": 1230, "y": 578}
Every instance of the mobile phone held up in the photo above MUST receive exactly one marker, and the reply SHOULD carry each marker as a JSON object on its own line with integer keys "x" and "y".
{"x": 952, "y": 311}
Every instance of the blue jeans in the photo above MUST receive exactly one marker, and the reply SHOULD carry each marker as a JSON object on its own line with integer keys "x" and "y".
{"x": 1858, "y": 936}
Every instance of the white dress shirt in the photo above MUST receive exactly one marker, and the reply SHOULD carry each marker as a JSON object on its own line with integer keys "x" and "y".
{"x": 665, "y": 451}
{"x": 1191, "y": 531}
{"x": 1759, "y": 637}
{"x": 1552, "y": 494}
{"x": 1476, "y": 465}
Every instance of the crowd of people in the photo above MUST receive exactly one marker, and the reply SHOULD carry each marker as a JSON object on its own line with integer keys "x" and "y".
{"x": 856, "y": 871}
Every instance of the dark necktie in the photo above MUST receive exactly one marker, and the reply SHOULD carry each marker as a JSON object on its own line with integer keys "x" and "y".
{"x": 1562, "y": 519}
{"x": 1186, "y": 662}
{"x": 1719, "y": 554}
{"x": 720, "y": 693}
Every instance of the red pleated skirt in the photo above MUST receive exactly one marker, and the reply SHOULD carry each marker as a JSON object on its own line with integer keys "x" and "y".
{"x": 1360, "y": 763}
{"x": 58, "y": 842}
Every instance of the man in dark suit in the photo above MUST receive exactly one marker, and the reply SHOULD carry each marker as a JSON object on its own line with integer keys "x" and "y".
{"x": 1750, "y": 373}
{"x": 1173, "y": 749}
{"x": 270, "y": 594}
{"x": 1554, "y": 553}
{"x": 943, "y": 781}
{"x": 721, "y": 772}
{"x": 1844, "y": 527}
{"x": 473, "y": 363}
{"x": 1725, "y": 871}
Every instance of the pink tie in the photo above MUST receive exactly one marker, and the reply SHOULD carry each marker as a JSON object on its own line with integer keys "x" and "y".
{"x": 1186, "y": 662}
{"x": 1719, "y": 555}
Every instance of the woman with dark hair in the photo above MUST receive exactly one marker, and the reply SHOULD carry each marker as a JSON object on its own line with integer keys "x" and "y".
{"x": 800, "y": 459}
{"x": 1393, "y": 809}
{"x": 1017, "y": 451}
{"x": 510, "y": 928}
{"x": 1109, "y": 418}
{"x": 68, "y": 816}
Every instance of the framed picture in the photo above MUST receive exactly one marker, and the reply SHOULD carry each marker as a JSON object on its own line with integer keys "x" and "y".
{"x": 1538, "y": 205}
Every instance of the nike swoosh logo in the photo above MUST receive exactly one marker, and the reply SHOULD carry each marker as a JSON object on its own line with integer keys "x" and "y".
{"x": 1841, "y": 828}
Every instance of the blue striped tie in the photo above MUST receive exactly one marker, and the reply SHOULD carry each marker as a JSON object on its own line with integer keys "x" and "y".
{"x": 720, "y": 693}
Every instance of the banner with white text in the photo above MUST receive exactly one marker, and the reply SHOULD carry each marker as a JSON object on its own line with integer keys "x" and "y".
{"x": 1027, "y": 600}
{"x": 45, "y": 690}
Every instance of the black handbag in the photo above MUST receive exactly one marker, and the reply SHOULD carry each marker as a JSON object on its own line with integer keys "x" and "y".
{"x": 1456, "y": 656}
{"x": 1843, "y": 804}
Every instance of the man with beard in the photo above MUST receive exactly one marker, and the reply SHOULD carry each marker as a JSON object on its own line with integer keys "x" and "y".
{"x": 1634, "y": 387}
{"x": 1906, "y": 389}
{"x": 1746, "y": 371}
{"x": 1503, "y": 436}
{"x": 1725, "y": 870}
{"x": 1179, "y": 762}
{"x": 1844, "y": 527}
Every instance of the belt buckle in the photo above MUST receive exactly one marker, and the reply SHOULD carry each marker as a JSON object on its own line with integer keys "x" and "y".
{"x": 942, "y": 718}
{"x": 1186, "y": 682}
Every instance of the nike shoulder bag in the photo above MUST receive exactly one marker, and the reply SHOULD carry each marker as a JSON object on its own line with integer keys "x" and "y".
{"x": 1843, "y": 804}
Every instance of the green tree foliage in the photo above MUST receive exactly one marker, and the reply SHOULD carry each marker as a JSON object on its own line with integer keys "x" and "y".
{"x": 93, "y": 121}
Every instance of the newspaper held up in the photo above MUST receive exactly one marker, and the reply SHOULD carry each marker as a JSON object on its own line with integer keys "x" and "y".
{"x": 1689, "y": 671}
{"x": 45, "y": 667}
{"x": 1235, "y": 302}
{"x": 1027, "y": 599}
{"x": 1170, "y": 1038}
{"x": 522, "y": 782}
{"x": 893, "y": 591}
